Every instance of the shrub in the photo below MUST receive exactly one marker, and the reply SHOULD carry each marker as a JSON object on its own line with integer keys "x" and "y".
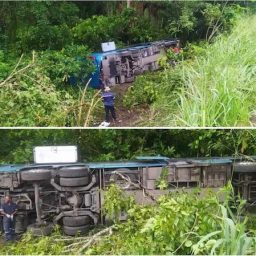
{"x": 28, "y": 97}
{"x": 179, "y": 223}
{"x": 30, "y": 245}
{"x": 72, "y": 60}
{"x": 5, "y": 65}
{"x": 127, "y": 27}
{"x": 153, "y": 87}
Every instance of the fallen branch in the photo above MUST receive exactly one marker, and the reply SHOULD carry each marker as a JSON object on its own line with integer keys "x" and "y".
{"x": 69, "y": 239}
{"x": 96, "y": 238}
{"x": 16, "y": 72}
{"x": 216, "y": 26}
{"x": 88, "y": 240}
{"x": 75, "y": 244}
{"x": 137, "y": 185}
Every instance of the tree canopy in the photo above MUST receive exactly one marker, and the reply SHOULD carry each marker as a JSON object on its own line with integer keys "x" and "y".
{"x": 27, "y": 26}
{"x": 107, "y": 145}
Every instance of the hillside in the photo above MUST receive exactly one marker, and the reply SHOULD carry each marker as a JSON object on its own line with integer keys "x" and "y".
{"x": 215, "y": 88}
{"x": 41, "y": 52}
{"x": 220, "y": 88}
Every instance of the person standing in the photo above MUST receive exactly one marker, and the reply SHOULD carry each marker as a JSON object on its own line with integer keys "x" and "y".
{"x": 108, "y": 101}
{"x": 9, "y": 209}
{"x": 1, "y": 222}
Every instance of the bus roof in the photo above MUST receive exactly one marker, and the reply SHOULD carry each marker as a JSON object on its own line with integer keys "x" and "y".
{"x": 132, "y": 47}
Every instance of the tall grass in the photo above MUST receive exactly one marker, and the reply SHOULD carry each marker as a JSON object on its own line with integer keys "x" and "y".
{"x": 231, "y": 239}
{"x": 220, "y": 88}
{"x": 83, "y": 113}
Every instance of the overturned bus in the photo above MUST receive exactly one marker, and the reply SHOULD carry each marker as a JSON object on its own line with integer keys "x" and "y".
{"x": 120, "y": 66}
{"x": 57, "y": 188}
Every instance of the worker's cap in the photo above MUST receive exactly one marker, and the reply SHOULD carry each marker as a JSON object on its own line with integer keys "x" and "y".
{"x": 107, "y": 89}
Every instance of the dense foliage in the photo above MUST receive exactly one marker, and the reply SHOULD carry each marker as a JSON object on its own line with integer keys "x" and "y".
{"x": 43, "y": 245}
{"x": 98, "y": 145}
{"x": 53, "y": 25}
{"x": 30, "y": 95}
{"x": 182, "y": 223}
{"x": 64, "y": 33}
{"x": 29, "y": 98}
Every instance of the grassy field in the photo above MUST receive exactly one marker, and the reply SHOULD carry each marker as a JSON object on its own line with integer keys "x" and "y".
{"x": 218, "y": 88}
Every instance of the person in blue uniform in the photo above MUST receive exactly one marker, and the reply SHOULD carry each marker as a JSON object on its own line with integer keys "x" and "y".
{"x": 108, "y": 99}
{"x": 9, "y": 209}
{"x": 1, "y": 223}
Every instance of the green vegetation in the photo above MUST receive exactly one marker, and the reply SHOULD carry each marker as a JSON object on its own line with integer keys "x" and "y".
{"x": 177, "y": 223}
{"x": 219, "y": 89}
{"x": 215, "y": 87}
{"x": 182, "y": 223}
{"x": 30, "y": 245}
{"x": 107, "y": 145}
{"x": 23, "y": 104}
{"x": 60, "y": 35}
{"x": 197, "y": 222}
{"x": 162, "y": 182}
{"x": 115, "y": 202}
{"x": 35, "y": 90}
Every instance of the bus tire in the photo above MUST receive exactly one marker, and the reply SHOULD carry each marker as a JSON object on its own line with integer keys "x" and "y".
{"x": 74, "y": 182}
{"x": 73, "y": 172}
{"x": 76, "y": 221}
{"x": 36, "y": 175}
{"x": 72, "y": 231}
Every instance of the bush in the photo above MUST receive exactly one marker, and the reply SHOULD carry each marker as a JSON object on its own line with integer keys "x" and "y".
{"x": 116, "y": 202}
{"x": 128, "y": 27}
{"x": 181, "y": 224}
{"x": 40, "y": 26}
{"x": 153, "y": 87}
{"x": 28, "y": 97}
{"x": 143, "y": 91}
{"x": 43, "y": 37}
{"x": 5, "y": 65}
{"x": 72, "y": 61}
{"x": 30, "y": 245}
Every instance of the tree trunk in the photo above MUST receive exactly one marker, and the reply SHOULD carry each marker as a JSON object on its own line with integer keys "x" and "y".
{"x": 128, "y": 4}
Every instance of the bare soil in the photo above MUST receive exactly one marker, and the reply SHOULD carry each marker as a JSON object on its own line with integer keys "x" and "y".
{"x": 1, "y": 240}
{"x": 127, "y": 117}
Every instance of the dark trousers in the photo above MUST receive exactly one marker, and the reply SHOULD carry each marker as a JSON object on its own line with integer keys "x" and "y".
{"x": 9, "y": 228}
{"x": 1, "y": 224}
{"x": 108, "y": 110}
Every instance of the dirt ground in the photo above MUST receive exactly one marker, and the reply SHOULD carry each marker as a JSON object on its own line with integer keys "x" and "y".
{"x": 253, "y": 119}
{"x": 127, "y": 117}
{"x": 1, "y": 240}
